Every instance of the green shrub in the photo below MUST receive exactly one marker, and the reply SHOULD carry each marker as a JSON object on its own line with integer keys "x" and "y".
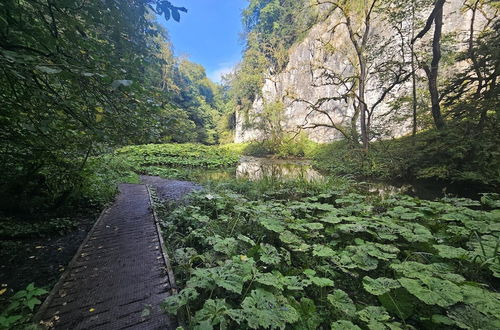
{"x": 448, "y": 155}
{"x": 288, "y": 146}
{"x": 101, "y": 176}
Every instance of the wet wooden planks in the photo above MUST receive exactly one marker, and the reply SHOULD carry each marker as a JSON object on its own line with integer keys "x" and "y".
{"x": 119, "y": 276}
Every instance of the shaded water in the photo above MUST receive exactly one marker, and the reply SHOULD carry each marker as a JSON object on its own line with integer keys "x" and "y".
{"x": 256, "y": 168}
{"x": 253, "y": 168}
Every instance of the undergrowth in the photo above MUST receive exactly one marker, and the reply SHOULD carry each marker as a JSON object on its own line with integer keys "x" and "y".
{"x": 179, "y": 155}
{"x": 17, "y": 309}
{"x": 451, "y": 155}
{"x": 286, "y": 147}
{"x": 276, "y": 255}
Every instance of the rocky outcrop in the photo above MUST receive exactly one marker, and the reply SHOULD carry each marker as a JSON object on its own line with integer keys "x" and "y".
{"x": 303, "y": 84}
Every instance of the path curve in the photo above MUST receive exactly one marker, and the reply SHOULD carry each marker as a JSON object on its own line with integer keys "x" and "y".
{"x": 119, "y": 276}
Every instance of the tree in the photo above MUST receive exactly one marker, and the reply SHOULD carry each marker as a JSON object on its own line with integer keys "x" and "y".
{"x": 74, "y": 83}
{"x": 432, "y": 72}
{"x": 365, "y": 73}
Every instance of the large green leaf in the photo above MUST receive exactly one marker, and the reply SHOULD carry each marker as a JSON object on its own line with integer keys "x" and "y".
{"x": 261, "y": 309}
{"x": 379, "y": 286}
{"x": 433, "y": 291}
{"x": 342, "y": 303}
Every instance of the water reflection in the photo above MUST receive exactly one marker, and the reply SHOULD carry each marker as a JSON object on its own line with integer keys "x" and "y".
{"x": 253, "y": 169}
{"x": 385, "y": 189}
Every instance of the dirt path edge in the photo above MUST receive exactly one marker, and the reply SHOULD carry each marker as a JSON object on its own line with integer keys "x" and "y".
{"x": 46, "y": 303}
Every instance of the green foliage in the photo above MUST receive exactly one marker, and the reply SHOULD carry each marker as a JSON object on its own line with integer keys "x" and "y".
{"x": 17, "y": 310}
{"x": 447, "y": 155}
{"x": 285, "y": 146}
{"x": 78, "y": 80}
{"x": 179, "y": 155}
{"x": 296, "y": 255}
{"x": 72, "y": 82}
{"x": 101, "y": 177}
{"x": 271, "y": 28}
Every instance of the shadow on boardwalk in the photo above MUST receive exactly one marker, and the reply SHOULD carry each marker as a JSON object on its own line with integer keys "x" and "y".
{"x": 119, "y": 276}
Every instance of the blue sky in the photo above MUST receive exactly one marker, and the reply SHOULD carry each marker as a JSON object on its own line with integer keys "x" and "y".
{"x": 209, "y": 33}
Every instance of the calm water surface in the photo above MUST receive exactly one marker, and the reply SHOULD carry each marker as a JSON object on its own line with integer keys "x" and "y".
{"x": 257, "y": 168}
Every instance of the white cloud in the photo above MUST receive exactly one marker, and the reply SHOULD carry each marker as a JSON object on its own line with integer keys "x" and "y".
{"x": 224, "y": 68}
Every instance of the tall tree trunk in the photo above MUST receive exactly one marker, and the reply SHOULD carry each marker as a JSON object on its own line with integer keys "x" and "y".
{"x": 434, "y": 69}
{"x": 472, "y": 53}
{"x": 432, "y": 72}
{"x": 362, "y": 103}
{"x": 413, "y": 72}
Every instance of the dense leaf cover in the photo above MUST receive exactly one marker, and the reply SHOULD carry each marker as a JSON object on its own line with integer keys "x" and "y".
{"x": 179, "y": 155}
{"x": 79, "y": 78}
{"x": 298, "y": 256}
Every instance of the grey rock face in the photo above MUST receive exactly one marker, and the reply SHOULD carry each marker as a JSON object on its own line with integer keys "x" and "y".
{"x": 303, "y": 82}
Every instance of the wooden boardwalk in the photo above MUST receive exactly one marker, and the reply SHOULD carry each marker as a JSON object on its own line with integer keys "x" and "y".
{"x": 119, "y": 276}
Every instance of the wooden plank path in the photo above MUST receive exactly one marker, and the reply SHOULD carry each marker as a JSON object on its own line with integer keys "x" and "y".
{"x": 119, "y": 272}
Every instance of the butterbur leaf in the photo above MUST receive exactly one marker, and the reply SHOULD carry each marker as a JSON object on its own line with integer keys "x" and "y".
{"x": 418, "y": 270}
{"x": 321, "y": 281}
{"x": 441, "y": 319}
{"x": 483, "y": 300}
{"x": 414, "y": 232}
{"x": 270, "y": 279}
{"x": 318, "y": 281}
{"x": 309, "y": 272}
{"x": 323, "y": 251}
{"x": 269, "y": 255}
{"x": 433, "y": 291}
{"x": 214, "y": 312}
{"x": 261, "y": 309}
{"x": 226, "y": 246}
{"x": 450, "y": 252}
{"x": 294, "y": 283}
{"x": 467, "y": 317}
{"x": 246, "y": 239}
{"x": 273, "y": 225}
{"x": 342, "y": 303}
{"x": 331, "y": 219}
{"x": 314, "y": 226}
{"x": 379, "y": 286}
{"x": 172, "y": 304}
{"x": 373, "y": 313}
{"x": 290, "y": 238}
{"x": 344, "y": 325}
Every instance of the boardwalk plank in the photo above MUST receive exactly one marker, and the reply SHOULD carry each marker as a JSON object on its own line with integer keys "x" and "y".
{"x": 118, "y": 272}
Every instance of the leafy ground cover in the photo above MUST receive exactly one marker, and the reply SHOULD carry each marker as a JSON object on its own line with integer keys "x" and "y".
{"x": 296, "y": 255}
{"x": 18, "y": 309}
{"x": 173, "y": 159}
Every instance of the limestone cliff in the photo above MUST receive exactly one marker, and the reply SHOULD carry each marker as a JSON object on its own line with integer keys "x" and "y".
{"x": 312, "y": 97}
